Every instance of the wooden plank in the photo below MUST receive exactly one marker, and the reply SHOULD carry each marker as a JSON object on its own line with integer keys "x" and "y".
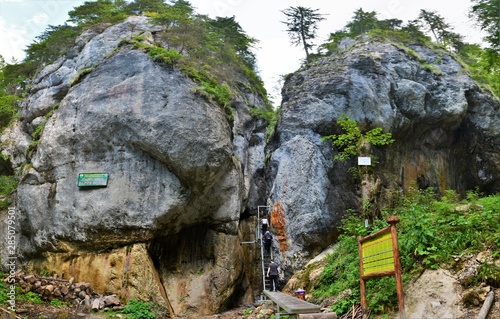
{"x": 290, "y": 304}
{"x": 321, "y": 315}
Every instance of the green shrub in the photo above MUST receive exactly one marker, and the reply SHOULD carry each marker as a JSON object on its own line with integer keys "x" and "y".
{"x": 163, "y": 55}
{"x": 139, "y": 310}
{"x": 58, "y": 303}
{"x": 7, "y": 184}
{"x": 30, "y": 296}
{"x": 8, "y": 108}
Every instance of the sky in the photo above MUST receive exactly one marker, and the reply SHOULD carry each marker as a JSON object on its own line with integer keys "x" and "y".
{"x": 22, "y": 20}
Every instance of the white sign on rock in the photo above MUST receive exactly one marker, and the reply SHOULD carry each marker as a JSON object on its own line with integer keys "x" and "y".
{"x": 366, "y": 161}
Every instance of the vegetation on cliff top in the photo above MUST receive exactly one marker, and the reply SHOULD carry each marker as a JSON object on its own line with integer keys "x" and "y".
{"x": 483, "y": 64}
{"x": 214, "y": 52}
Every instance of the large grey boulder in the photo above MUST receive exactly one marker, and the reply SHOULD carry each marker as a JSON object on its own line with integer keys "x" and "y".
{"x": 446, "y": 132}
{"x": 129, "y": 126}
{"x": 178, "y": 169}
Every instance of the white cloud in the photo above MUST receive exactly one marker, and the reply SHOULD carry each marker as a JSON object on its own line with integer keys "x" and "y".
{"x": 40, "y": 19}
{"x": 12, "y": 41}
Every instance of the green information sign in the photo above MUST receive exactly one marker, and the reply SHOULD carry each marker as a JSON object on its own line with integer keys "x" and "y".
{"x": 92, "y": 179}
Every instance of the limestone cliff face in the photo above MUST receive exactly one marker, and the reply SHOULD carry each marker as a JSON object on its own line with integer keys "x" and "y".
{"x": 446, "y": 130}
{"x": 185, "y": 182}
{"x": 179, "y": 174}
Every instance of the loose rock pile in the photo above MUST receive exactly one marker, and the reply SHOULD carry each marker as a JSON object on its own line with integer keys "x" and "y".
{"x": 80, "y": 294}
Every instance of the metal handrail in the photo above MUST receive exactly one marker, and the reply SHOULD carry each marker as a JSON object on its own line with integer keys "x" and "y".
{"x": 259, "y": 236}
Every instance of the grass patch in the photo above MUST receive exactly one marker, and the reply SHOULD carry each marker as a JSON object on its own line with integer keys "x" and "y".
{"x": 139, "y": 310}
{"x": 77, "y": 78}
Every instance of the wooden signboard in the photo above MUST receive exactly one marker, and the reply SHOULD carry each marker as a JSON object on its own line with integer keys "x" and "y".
{"x": 379, "y": 257}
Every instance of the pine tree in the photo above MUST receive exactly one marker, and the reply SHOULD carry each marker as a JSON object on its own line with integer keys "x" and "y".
{"x": 302, "y": 24}
{"x": 434, "y": 23}
{"x": 362, "y": 22}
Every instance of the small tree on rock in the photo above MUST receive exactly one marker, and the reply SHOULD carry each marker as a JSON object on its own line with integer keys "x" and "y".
{"x": 356, "y": 143}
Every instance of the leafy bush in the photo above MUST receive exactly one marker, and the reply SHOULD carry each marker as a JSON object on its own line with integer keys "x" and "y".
{"x": 139, "y": 310}
{"x": 8, "y": 183}
{"x": 270, "y": 116}
{"x": 163, "y": 55}
{"x": 57, "y": 303}
{"x": 351, "y": 141}
{"x": 30, "y": 296}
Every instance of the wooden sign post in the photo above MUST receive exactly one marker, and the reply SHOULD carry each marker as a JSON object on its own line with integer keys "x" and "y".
{"x": 379, "y": 257}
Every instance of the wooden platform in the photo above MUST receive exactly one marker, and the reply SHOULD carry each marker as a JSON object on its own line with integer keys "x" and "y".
{"x": 291, "y": 305}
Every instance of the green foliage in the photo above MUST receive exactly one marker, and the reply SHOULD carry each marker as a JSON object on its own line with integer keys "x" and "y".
{"x": 139, "y": 310}
{"x": 270, "y": 116}
{"x": 302, "y": 24}
{"x": 433, "y": 68}
{"x": 341, "y": 274}
{"x": 11, "y": 82}
{"x": 30, "y": 296}
{"x": 163, "y": 55}
{"x": 37, "y": 133}
{"x": 350, "y": 142}
{"x": 100, "y": 11}
{"x": 4, "y": 297}
{"x": 7, "y": 184}
{"x": 230, "y": 32}
{"x": 434, "y": 23}
{"x": 489, "y": 274}
{"x": 487, "y": 13}
{"x": 483, "y": 66}
{"x": 80, "y": 75}
{"x": 431, "y": 233}
{"x": 215, "y": 52}
{"x": 247, "y": 312}
{"x": 58, "y": 303}
{"x": 362, "y": 22}
{"x": 54, "y": 42}
{"x": 219, "y": 94}
{"x": 8, "y": 108}
{"x": 13, "y": 77}
{"x": 141, "y": 6}
{"x": 390, "y": 30}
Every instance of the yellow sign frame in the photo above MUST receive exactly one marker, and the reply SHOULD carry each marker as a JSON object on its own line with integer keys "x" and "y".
{"x": 379, "y": 257}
